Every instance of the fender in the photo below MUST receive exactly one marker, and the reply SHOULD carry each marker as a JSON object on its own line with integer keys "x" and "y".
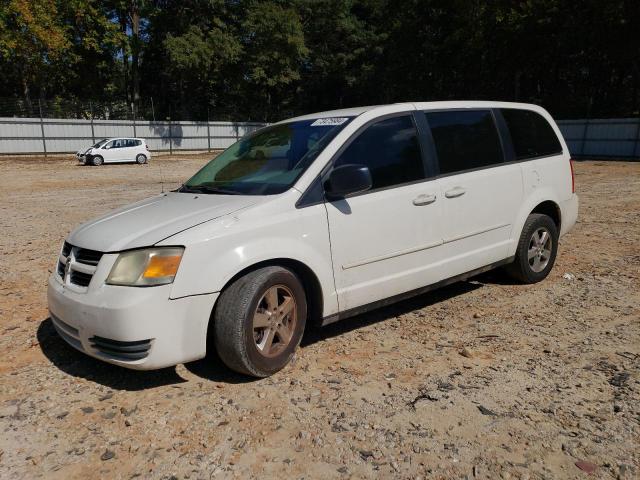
{"x": 535, "y": 198}
{"x": 217, "y": 252}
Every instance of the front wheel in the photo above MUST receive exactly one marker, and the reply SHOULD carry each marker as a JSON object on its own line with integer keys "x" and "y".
{"x": 97, "y": 160}
{"x": 259, "y": 321}
{"x": 537, "y": 249}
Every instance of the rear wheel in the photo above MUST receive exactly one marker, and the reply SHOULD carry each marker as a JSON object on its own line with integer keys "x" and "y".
{"x": 537, "y": 249}
{"x": 259, "y": 321}
{"x": 97, "y": 160}
{"x": 140, "y": 159}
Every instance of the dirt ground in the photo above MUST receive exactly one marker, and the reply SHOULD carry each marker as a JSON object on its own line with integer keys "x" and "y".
{"x": 482, "y": 379}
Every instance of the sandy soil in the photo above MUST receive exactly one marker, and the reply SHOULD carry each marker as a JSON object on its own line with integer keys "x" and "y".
{"x": 482, "y": 379}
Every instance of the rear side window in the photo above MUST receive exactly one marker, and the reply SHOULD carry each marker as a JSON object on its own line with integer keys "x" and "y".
{"x": 391, "y": 151}
{"x": 531, "y": 134}
{"x": 465, "y": 140}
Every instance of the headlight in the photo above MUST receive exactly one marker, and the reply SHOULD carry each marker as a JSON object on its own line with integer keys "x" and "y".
{"x": 145, "y": 268}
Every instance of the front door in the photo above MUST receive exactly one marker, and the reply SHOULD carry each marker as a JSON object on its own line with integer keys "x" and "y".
{"x": 385, "y": 241}
{"x": 112, "y": 151}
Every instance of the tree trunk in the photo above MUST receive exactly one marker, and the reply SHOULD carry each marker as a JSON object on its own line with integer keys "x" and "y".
{"x": 26, "y": 94}
{"x": 125, "y": 55}
{"x": 135, "y": 51}
{"x": 516, "y": 89}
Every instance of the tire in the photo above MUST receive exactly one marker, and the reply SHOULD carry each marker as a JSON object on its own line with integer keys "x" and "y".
{"x": 141, "y": 159}
{"x": 241, "y": 341}
{"x": 97, "y": 160}
{"x": 542, "y": 249}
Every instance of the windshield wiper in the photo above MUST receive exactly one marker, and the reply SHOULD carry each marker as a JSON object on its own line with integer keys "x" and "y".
{"x": 185, "y": 189}
{"x": 206, "y": 189}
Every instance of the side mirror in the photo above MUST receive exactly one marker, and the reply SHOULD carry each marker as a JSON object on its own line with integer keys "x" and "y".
{"x": 347, "y": 179}
{"x": 107, "y": 147}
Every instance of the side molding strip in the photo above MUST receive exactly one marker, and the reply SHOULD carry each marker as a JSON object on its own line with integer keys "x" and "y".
{"x": 420, "y": 248}
{"x": 477, "y": 232}
{"x": 412, "y": 293}
{"x": 391, "y": 255}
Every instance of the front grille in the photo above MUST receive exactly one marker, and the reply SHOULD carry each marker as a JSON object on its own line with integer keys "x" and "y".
{"x": 80, "y": 278}
{"x": 121, "y": 350}
{"x": 88, "y": 257}
{"x": 83, "y": 264}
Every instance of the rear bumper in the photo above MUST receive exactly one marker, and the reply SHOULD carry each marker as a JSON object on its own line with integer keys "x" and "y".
{"x": 138, "y": 328}
{"x": 569, "y": 211}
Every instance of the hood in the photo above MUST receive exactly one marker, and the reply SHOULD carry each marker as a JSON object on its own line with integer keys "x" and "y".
{"x": 147, "y": 222}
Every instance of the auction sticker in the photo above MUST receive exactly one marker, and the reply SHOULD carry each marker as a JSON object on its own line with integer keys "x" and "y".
{"x": 329, "y": 121}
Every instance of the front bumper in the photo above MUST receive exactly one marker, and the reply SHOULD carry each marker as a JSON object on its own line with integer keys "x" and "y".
{"x": 139, "y": 328}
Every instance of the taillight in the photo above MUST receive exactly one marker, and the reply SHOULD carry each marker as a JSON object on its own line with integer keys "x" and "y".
{"x": 573, "y": 177}
{"x": 147, "y": 147}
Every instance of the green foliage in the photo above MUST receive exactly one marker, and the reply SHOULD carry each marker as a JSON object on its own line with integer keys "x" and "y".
{"x": 274, "y": 45}
{"x": 266, "y": 59}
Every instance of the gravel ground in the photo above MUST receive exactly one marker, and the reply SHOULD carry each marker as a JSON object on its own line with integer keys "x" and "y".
{"x": 482, "y": 379}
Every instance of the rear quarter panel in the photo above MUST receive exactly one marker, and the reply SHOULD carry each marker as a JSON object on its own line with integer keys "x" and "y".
{"x": 544, "y": 179}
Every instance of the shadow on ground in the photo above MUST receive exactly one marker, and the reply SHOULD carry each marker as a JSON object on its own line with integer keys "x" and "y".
{"x": 211, "y": 368}
{"x": 75, "y": 363}
{"x": 317, "y": 334}
{"x": 78, "y": 364}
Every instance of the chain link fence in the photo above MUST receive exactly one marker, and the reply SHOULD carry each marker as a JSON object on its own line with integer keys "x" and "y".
{"x": 66, "y": 126}
{"x": 150, "y": 109}
{"x": 62, "y": 126}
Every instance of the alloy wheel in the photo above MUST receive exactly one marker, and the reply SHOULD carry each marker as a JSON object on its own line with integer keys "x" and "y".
{"x": 274, "y": 321}
{"x": 540, "y": 246}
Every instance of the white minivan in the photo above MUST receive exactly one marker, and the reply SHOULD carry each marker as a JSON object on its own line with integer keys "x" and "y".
{"x": 115, "y": 150}
{"x": 364, "y": 207}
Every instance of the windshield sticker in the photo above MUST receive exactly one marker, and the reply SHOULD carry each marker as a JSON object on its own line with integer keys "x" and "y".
{"x": 330, "y": 121}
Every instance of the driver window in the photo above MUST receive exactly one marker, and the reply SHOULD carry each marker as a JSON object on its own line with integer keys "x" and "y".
{"x": 391, "y": 151}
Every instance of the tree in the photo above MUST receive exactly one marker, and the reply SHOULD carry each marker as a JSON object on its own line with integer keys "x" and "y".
{"x": 33, "y": 39}
{"x": 191, "y": 57}
{"x": 274, "y": 51}
{"x": 130, "y": 16}
{"x": 267, "y": 59}
{"x": 345, "y": 44}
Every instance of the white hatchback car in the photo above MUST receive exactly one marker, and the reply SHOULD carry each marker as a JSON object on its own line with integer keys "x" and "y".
{"x": 115, "y": 150}
{"x": 365, "y": 206}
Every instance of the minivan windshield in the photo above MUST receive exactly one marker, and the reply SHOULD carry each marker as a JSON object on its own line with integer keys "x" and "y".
{"x": 100, "y": 143}
{"x": 268, "y": 161}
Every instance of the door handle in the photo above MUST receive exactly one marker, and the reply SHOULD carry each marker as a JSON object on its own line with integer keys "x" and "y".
{"x": 455, "y": 192}
{"x": 424, "y": 199}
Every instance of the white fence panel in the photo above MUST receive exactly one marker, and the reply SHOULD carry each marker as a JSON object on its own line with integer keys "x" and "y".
{"x": 33, "y": 135}
{"x": 597, "y": 138}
